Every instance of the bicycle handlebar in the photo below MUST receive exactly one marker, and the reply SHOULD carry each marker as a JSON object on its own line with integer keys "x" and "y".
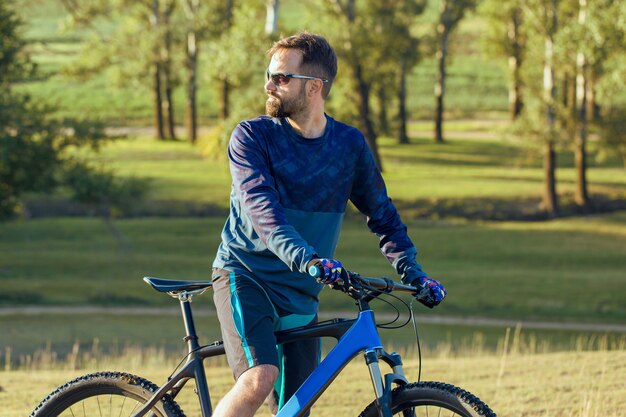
{"x": 383, "y": 284}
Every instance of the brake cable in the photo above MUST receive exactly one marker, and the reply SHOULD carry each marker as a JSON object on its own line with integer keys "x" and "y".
{"x": 411, "y": 318}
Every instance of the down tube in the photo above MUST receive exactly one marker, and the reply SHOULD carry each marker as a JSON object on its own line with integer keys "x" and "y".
{"x": 361, "y": 336}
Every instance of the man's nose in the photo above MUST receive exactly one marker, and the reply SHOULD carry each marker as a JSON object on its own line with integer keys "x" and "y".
{"x": 269, "y": 85}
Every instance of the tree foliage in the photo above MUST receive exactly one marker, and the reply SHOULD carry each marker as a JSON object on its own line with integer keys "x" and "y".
{"x": 35, "y": 151}
{"x": 238, "y": 61}
{"x": 451, "y": 12}
{"x": 573, "y": 52}
{"x": 374, "y": 47}
{"x": 505, "y": 36}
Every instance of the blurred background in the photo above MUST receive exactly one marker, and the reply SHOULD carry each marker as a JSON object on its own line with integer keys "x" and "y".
{"x": 499, "y": 125}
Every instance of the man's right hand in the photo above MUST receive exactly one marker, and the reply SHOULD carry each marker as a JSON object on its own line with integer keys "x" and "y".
{"x": 330, "y": 270}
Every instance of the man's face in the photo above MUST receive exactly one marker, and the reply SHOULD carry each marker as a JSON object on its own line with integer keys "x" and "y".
{"x": 288, "y": 99}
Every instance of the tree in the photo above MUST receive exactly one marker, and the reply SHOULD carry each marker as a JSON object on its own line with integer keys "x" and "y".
{"x": 138, "y": 48}
{"x": 540, "y": 119}
{"x": 549, "y": 18}
{"x": 450, "y": 14}
{"x": 34, "y": 149}
{"x": 505, "y": 37}
{"x": 224, "y": 76}
{"x": 165, "y": 58}
{"x": 238, "y": 65}
{"x": 399, "y": 53}
{"x": 582, "y": 87}
{"x": 579, "y": 41}
{"x": 271, "y": 21}
{"x": 595, "y": 39}
{"x": 191, "y": 8}
{"x": 205, "y": 21}
{"x": 355, "y": 46}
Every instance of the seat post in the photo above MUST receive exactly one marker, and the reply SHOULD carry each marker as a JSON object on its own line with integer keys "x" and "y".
{"x": 190, "y": 329}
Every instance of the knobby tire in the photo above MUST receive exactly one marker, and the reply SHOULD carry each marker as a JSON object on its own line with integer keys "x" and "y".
{"x": 105, "y": 393}
{"x": 432, "y": 399}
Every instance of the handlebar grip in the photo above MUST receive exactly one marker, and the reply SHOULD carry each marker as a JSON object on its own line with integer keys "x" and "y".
{"x": 315, "y": 271}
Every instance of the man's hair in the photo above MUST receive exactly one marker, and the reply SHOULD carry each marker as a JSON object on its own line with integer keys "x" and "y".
{"x": 318, "y": 57}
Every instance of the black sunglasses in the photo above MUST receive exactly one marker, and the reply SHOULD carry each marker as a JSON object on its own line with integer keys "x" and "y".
{"x": 282, "y": 79}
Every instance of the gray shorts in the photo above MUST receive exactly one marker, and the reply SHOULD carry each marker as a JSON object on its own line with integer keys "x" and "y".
{"x": 248, "y": 321}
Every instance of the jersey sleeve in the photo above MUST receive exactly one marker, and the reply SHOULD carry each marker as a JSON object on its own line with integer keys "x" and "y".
{"x": 254, "y": 187}
{"x": 369, "y": 195}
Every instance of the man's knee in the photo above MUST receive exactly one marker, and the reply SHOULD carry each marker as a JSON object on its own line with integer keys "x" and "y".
{"x": 259, "y": 380}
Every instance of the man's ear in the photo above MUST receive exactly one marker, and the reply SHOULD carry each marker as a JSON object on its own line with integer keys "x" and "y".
{"x": 315, "y": 86}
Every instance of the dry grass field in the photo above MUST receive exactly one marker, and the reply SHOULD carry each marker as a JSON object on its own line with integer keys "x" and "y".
{"x": 560, "y": 384}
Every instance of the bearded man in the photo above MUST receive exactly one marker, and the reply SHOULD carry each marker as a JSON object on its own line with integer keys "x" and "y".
{"x": 294, "y": 171}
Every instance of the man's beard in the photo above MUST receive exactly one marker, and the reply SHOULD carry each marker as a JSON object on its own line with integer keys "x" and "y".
{"x": 285, "y": 107}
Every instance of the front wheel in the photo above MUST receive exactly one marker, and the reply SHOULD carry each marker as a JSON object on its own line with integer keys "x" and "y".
{"x": 105, "y": 394}
{"x": 432, "y": 399}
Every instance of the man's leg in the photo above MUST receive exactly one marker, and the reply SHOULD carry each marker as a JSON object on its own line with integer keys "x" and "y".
{"x": 247, "y": 321}
{"x": 299, "y": 359}
{"x": 249, "y": 392}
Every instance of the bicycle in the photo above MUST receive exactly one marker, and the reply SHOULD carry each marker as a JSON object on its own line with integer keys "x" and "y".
{"x": 123, "y": 394}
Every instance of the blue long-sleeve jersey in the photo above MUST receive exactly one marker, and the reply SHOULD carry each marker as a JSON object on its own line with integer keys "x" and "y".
{"x": 288, "y": 199}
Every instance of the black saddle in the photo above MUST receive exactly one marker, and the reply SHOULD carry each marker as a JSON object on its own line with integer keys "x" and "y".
{"x": 175, "y": 286}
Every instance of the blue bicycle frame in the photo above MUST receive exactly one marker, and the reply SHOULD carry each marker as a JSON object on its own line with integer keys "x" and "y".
{"x": 353, "y": 336}
{"x": 361, "y": 336}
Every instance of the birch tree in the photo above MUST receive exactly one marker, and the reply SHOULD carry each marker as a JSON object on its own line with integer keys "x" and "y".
{"x": 271, "y": 20}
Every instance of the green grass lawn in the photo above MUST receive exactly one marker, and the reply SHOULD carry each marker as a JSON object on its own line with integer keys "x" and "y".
{"x": 477, "y": 173}
{"x": 566, "y": 270}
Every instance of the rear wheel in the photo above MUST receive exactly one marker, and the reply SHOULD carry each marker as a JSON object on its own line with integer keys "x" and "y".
{"x": 425, "y": 399}
{"x": 105, "y": 394}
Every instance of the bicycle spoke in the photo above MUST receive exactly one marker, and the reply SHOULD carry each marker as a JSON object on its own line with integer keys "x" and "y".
{"x": 133, "y": 410}
{"x": 427, "y": 411}
{"x": 122, "y": 407}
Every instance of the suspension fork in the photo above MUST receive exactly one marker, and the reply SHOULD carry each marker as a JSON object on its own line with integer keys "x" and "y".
{"x": 383, "y": 386}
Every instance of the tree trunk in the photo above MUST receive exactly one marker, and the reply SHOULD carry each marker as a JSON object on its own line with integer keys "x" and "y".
{"x": 403, "y": 137}
{"x": 515, "y": 94}
{"x": 156, "y": 86}
{"x": 271, "y": 22}
{"x": 440, "y": 83}
{"x": 224, "y": 84}
{"x": 224, "y": 99}
{"x": 593, "y": 109}
{"x": 167, "y": 70}
{"x": 572, "y": 94}
{"x": 168, "y": 103}
{"x": 191, "y": 9}
{"x": 365, "y": 114}
{"x": 550, "y": 199}
{"x": 192, "y": 61}
{"x": 581, "y": 197}
{"x": 515, "y": 64}
{"x": 158, "y": 110}
{"x": 383, "y": 118}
